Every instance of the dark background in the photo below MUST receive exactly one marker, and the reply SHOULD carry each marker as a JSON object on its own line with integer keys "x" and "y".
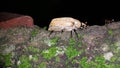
{"x": 43, "y": 11}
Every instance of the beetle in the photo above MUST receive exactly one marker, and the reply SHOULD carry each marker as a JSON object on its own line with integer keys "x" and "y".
{"x": 66, "y": 24}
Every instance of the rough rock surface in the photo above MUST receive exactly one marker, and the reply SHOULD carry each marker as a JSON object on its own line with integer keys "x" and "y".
{"x": 11, "y": 20}
{"x": 96, "y": 46}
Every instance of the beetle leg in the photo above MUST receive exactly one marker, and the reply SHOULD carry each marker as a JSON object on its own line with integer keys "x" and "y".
{"x": 50, "y": 33}
{"x": 71, "y": 34}
{"x": 76, "y": 34}
{"x": 61, "y": 31}
{"x": 77, "y": 38}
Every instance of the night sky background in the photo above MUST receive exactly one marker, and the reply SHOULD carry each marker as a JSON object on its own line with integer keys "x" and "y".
{"x": 42, "y": 11}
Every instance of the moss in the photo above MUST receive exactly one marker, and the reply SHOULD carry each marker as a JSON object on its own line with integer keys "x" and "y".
{"x": 6, "y": 60}
{"x": 98, "y": 62}
{"x": 72, "y": 42}
{"x": 57, "y": 59}
{"x": 42, "y": 65}
{"x": 50, "y": 53}
{"x": 110, "y": 32}
{"x": 34, "y": 32}
{"x": 52, "y": 41}
{"x": 33, "y": 49}
{"x": 24, "y": 62}
{"x": 45, "y": 28}
{"x": 72, "y": 52}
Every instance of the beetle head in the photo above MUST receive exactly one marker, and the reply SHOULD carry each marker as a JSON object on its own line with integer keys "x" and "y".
{"x": 83, "y": 25}
{"x": 77, "y": 24}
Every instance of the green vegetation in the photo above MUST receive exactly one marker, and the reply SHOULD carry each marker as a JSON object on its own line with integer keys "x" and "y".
{"x": 35, "y": 58}
{"x": 33, "y": 49}
{"x": 83, "y": 62}
{"x": 110, "y": 32}
{"x": 99, "y": 62}
{"x": 50, "y": 53}
{"x": 71, "y": 52}
{"x": 6, "y": 59}
{"x": 34, "y": 32}
{"x": 57, "y": 59}
{"x": 51, "y": 42}
{"x": 115, "y": 47}
{"x": 72, "y": 42}
{"x": 42, "y": 65}
{"x": 54, "y": 41}
{"x": 53, "y": 52}
{"x": 45, "y": 28}
{"x": 24, "y": 62}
